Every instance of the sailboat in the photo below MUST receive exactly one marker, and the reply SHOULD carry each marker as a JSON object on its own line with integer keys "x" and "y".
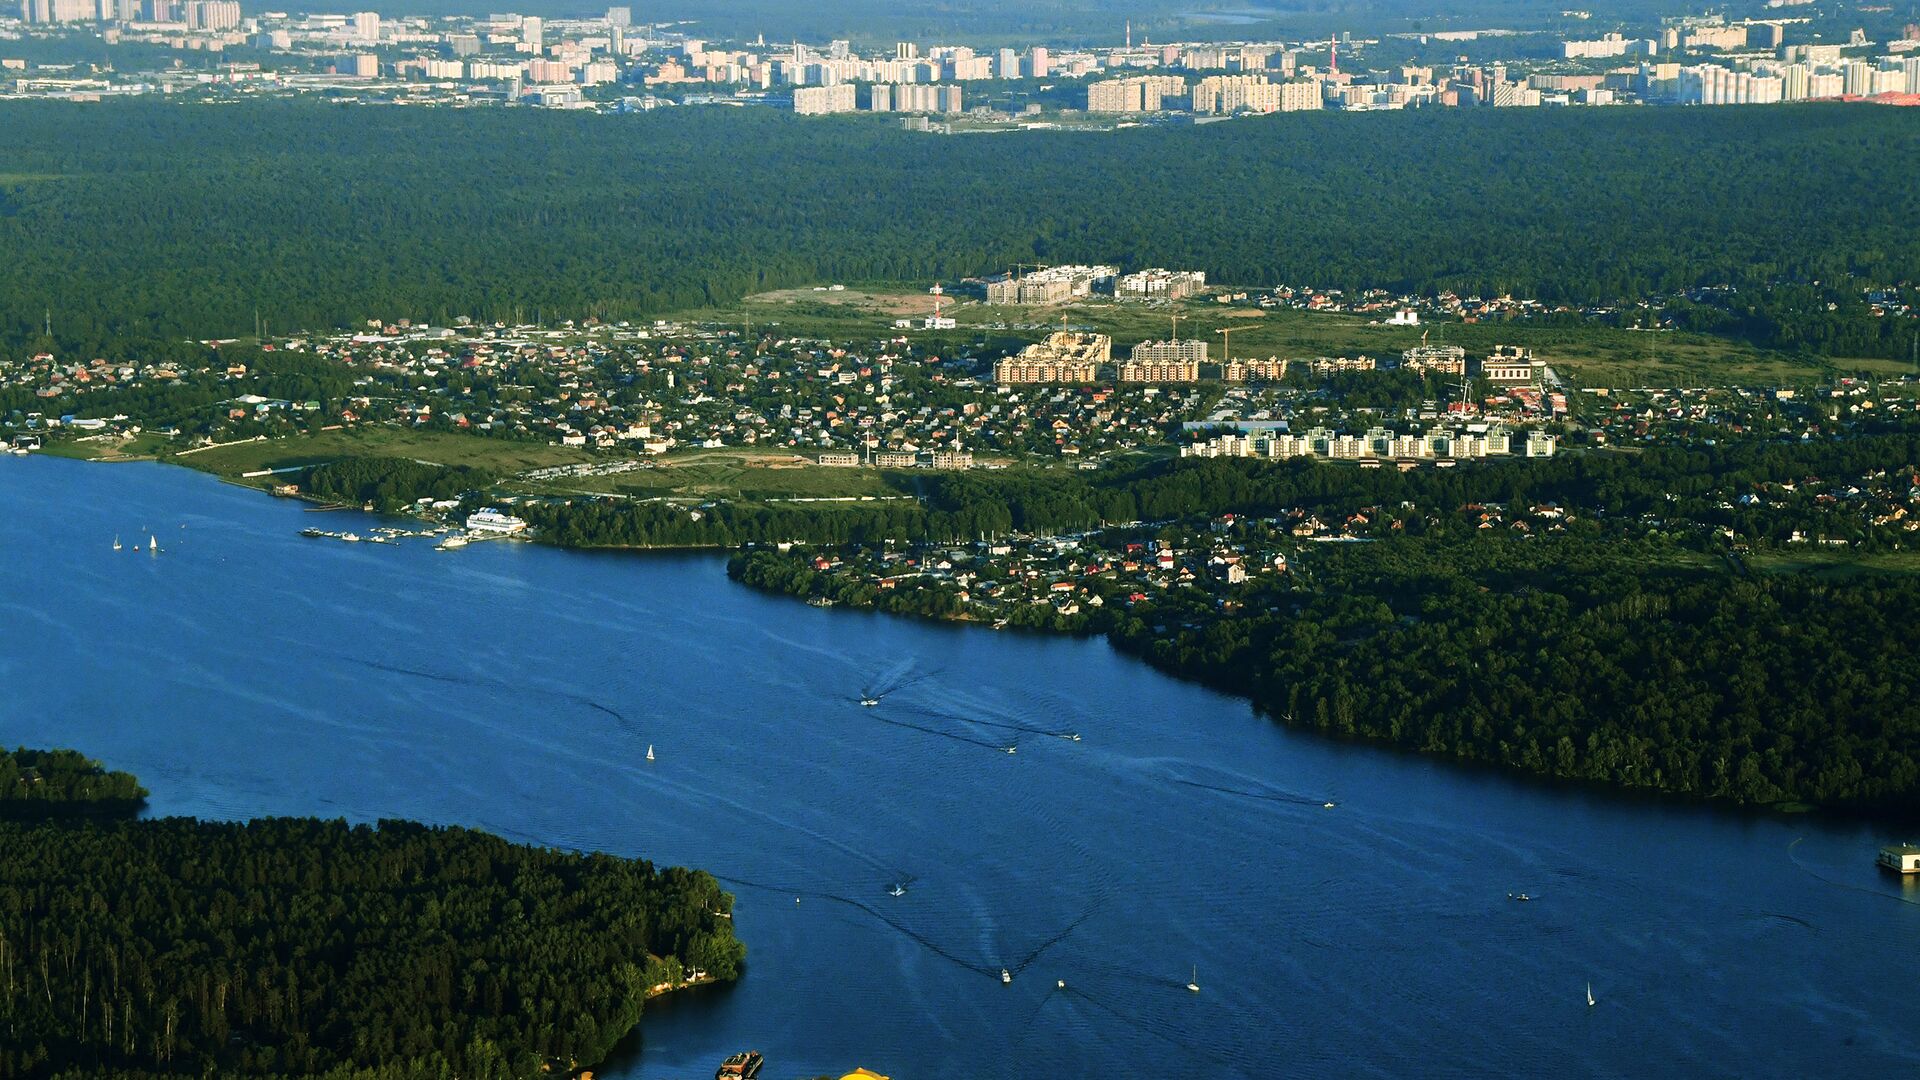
{"x": 897, "y": 890}
{"x": 153, "y": 545}
{"x": 649, "y": 751}
{"x": 116, "y": 543}
{"x": 1194, "y": 983}
{"x": 1590, "y": 1001}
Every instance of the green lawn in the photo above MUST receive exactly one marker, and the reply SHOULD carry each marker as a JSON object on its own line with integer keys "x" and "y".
{"x": 734, "y": 474}
{"x": 498, "y": 456}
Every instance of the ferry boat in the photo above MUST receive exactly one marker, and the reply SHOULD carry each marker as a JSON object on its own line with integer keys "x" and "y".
{"x": 1901, "y": 858}
{"x": 451, "y": 543}
{"x": 741, "y": 1066}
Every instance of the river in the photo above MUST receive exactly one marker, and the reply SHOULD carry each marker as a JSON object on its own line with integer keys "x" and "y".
{"x": 247, "y": 671}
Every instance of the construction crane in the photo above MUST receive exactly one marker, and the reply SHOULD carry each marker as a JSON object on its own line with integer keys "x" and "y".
{"x": 1176, "y": 330}
{"x": 1226, "y": 342}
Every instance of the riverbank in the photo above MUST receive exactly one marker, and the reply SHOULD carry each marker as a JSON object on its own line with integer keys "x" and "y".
{"x": 422, "y": 906}
{"x": 514, "y": 689}
{"x": 1362, "y": 688}
{"x": 1622, "y": 635}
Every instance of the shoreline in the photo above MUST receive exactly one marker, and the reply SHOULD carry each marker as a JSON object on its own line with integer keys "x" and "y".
{"x": 1788, "y": 808}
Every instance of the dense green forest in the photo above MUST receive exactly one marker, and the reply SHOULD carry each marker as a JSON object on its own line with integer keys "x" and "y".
{"x": 391, "y": 483}
{"x": 35, "y": 783}
{"x": 1586, "y": 662}
{"x": 291, "y": 947}
{"x": 149, "y": 220}
{"x": 1577, "y": 658}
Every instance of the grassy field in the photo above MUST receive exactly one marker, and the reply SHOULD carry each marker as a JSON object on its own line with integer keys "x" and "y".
{"x": 1591, "y": 355}
{"x": 734, "y": 475}
{"x": 498, "y": 456}
{"x": 1830, "y": 565}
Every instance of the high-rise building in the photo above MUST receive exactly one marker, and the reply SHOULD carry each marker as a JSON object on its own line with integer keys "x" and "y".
{"x": 532, "y": 31}
{"x": 1038, "y": 64}
{"x": 58, "y": 11}
{"x": 366, "y": 25}
{"x": 928, "y": 98}
{"x": 821, "y": 100}
{"x": 212, "y": 14}
{"x": 619, "y": 16}
{"x": 1857, "y": 78}
{"x": 1141, "y": 93}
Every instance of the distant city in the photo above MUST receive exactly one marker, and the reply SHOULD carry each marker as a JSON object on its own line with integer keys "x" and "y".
{"x": 612, "y": 63}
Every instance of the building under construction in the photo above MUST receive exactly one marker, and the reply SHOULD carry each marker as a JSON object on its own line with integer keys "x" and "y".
{"x": 1050, "y": 285}
{"x": 1435, "y": 359}
{"x": 1158, "y": 284}
{"x": 1272, "y": 369}
{"x": 1064, "y": 357}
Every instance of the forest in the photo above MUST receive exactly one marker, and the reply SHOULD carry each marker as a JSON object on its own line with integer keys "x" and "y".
{"x": 390, "y": 483}
{"x": 147, "y": 222}
{"x": 1579, "y": 658}
{"x": 293, "y": 947}
{"x": 38, "y": 783}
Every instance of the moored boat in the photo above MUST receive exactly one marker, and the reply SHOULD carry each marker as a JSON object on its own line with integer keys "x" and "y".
{"x": 742, "y": 1066}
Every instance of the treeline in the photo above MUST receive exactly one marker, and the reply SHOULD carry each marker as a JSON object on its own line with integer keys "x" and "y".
{"x": 391, "y": 483}
{"x": 303, "y": 948}
{"x": 1827, "y": 320}
{"x": 1763, "y": 690}
{"x": 965, "y": 506}
{"x": 150, "y": 221}
{"x": 1628, "y": 663}
{"x": 38, "y": 783}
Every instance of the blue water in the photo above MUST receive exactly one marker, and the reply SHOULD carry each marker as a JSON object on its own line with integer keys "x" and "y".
{"x": 247, "y": 671}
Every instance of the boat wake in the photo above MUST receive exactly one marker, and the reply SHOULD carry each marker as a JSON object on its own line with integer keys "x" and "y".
{"x": 1287, "y": 797}
{"x": 492, "y": 684}
{"x": 1818, "y": 876}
